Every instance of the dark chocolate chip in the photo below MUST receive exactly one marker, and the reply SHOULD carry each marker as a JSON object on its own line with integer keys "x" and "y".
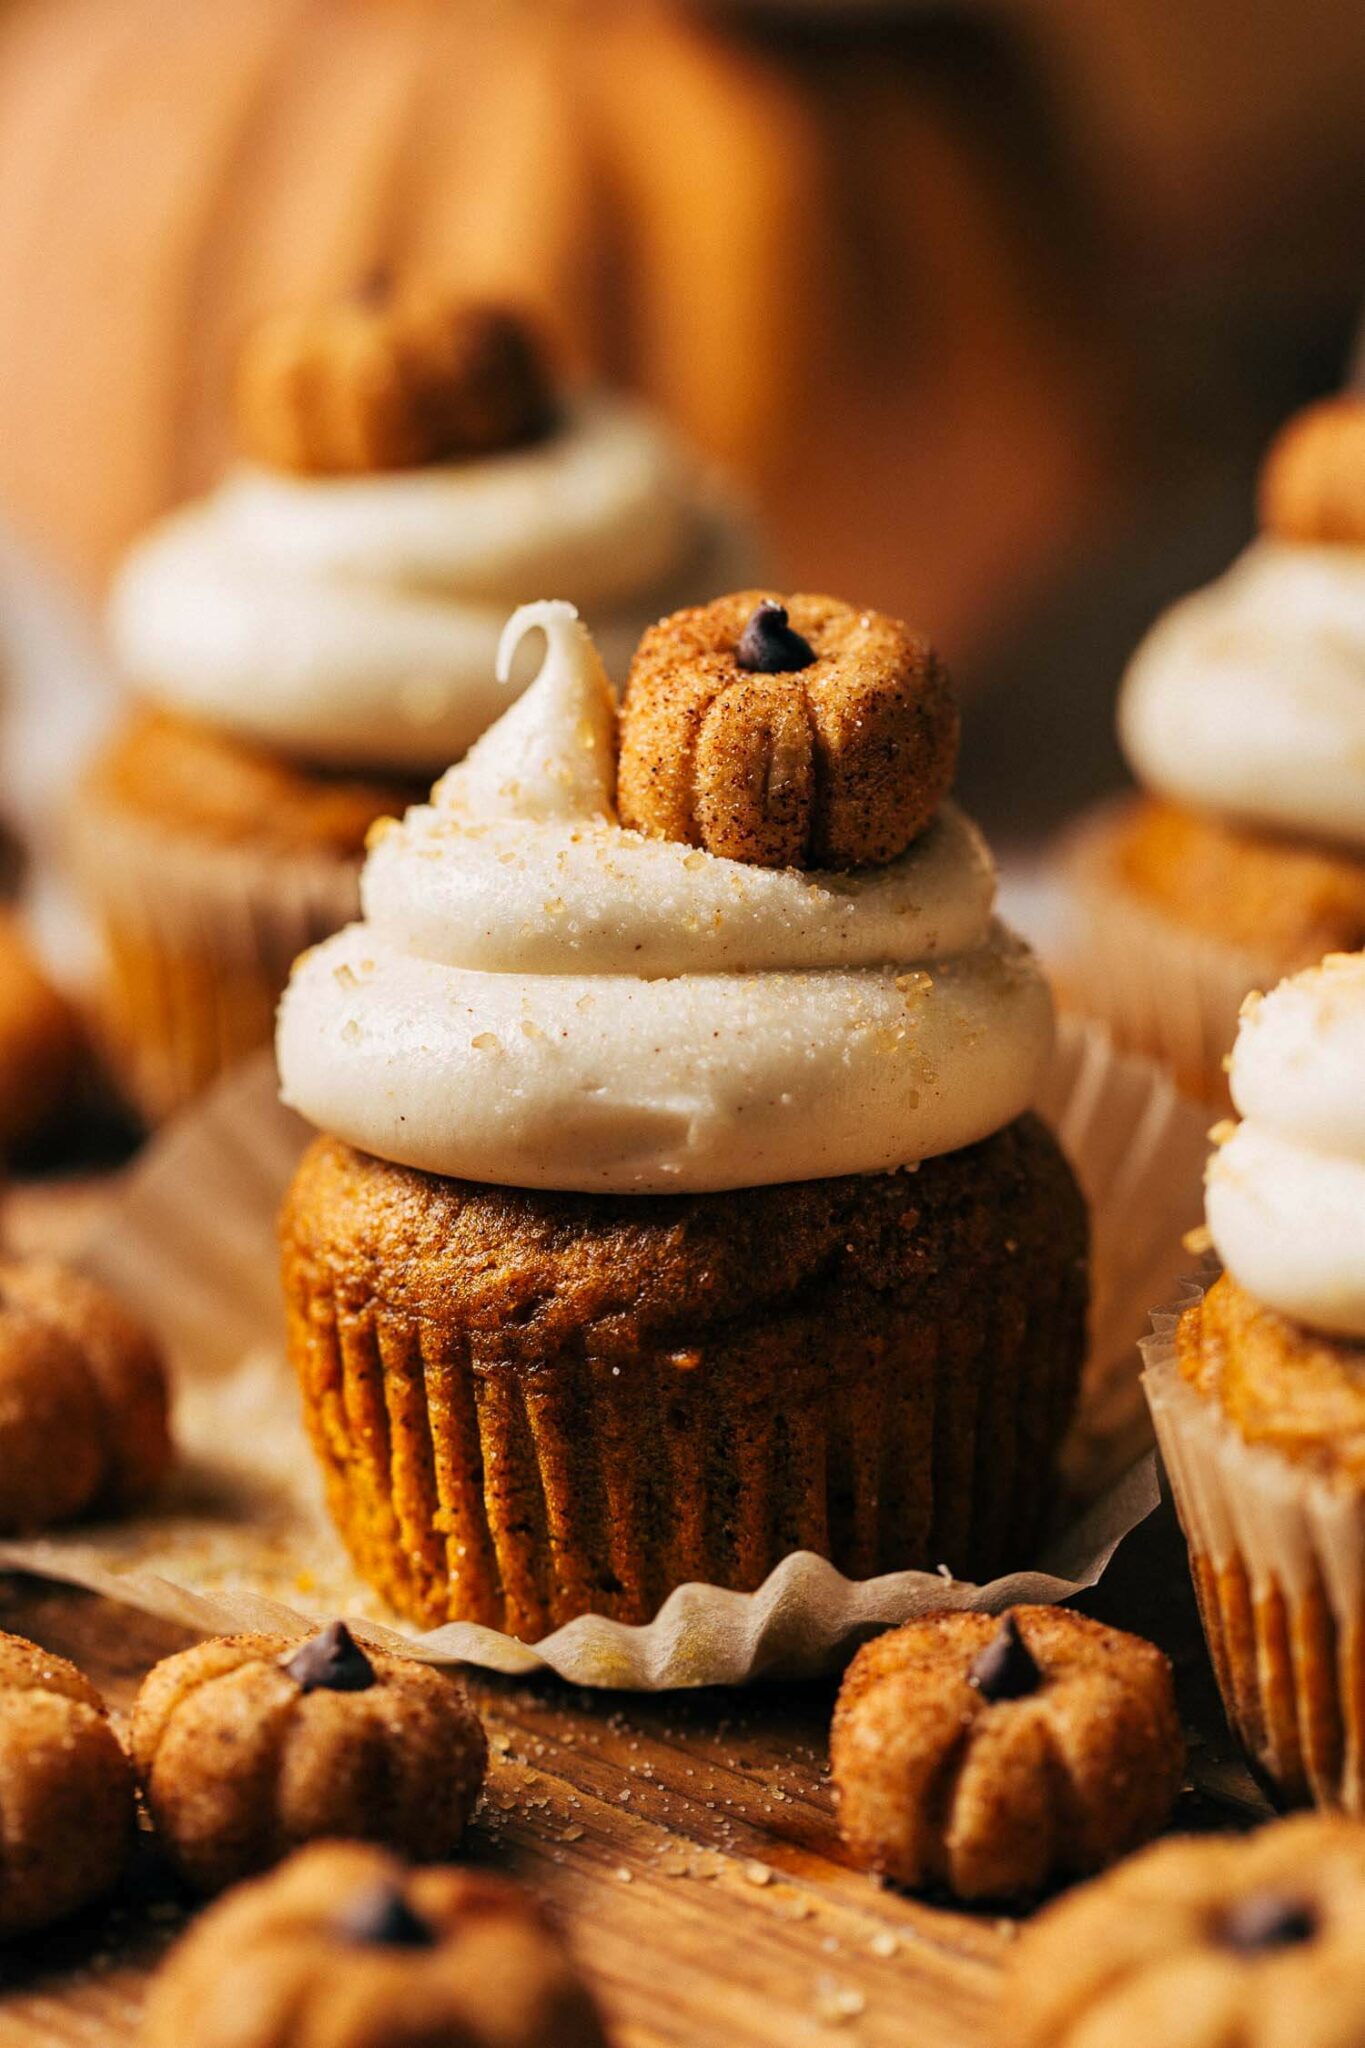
{"x": 330, "y": 1662}
{"x": 769, "y": 645}
{"x": 382, "y": 1918}
{"x": 1005, "y": 1669}
{"x": 1267, "y": 1920}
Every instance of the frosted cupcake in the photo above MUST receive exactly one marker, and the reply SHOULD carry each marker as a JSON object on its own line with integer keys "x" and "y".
{"x": 1257, "y": 1390}
{"x": 679, "y": 1209}
{"x": 1243, "y": 717}
{"x": 313, "y": 642}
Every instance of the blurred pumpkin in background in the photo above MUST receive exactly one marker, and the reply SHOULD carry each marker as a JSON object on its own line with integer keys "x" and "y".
{"x": 840, "y": 253}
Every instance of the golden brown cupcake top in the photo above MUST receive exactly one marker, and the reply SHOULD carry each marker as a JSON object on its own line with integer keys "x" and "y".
{"x": 786, "y": 732}
{"x": 66, "y": 1791}
{"x": 995, "y": 1756}
{"x": 1313, "y": 478}
{"x": 83, "y": 1398}
{"x": 189, "y": 777}
{"x": 249, "y": 1745}
{"x": 347, "y": 1948}
{"x": 1280, "y": 1384}
{"x": 386, "y": 379}
{"x": 1200, "y": 1944}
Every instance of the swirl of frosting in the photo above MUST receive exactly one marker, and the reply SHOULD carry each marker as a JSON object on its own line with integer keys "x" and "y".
{"x": 1286, "y": 1190}
{"x": 1248, "y": 698}
{"x": 354, "y": 621}
{"x": 541, "y": 998}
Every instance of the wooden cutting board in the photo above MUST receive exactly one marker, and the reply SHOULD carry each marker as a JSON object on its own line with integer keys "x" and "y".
{"x": 686, "y": 1842}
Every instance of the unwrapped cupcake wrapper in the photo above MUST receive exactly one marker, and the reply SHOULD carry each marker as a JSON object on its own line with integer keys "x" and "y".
{"x": 198, "y": 938}
{"x": 1277, "y": 1555}
{"x": 242, "y": 1539}
{"x": 1169, "y": 993}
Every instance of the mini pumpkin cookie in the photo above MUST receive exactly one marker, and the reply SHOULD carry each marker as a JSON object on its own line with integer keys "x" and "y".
{"x": 995, "y": 1757}
{"x": 346, "y": 1948}
{"x": 249, "y": 1745}
{"x": 83, "y": 1399}
{"x": 66, "y": 1790}
{"x": 1313, "y": 482}
{"x": 800, "y": 733}
{"x": 382, "y": 382}
{"x": 40, "y": 1040}
{"x": 1201, "y": 1944}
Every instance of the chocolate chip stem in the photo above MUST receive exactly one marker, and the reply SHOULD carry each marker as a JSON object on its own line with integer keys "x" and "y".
{"x": 769, "y": 646}
{"x": 330, "y": 1662}
{"x": 1006, "y": 1669}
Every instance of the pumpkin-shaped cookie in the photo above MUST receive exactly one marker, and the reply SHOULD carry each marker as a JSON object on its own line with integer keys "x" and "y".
{"x": 83, "y": 1399}
{"x": 799, "y": 732}
{"x": 248, "y": 1746}
{"x": 1203, "y": 1943}
{"x": 344, "y": 1947}
{"x": 380, "y": 382}
{"x": 995, "y": 1757}
{"x": 1313, "y": 480}
{"x": 66, "y": 1790}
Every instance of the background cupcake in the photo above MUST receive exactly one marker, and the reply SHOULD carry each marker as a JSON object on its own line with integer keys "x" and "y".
{"x": 1243, "y": 716}
{"x": 311, "y": 643}
{"x": 680, "y": 1210}
{"x": 1257, "y": 1390}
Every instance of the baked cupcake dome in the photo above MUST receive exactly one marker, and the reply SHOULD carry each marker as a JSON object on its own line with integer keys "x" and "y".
{"x": 312, "y": 642}
{"x": 1243, "y": 719}
{"x": 1257, "y": 1390}
{"x": 609, "y": 1274}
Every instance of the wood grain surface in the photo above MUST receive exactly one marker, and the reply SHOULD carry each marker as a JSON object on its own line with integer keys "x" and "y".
{"x": 686, "y": 1842}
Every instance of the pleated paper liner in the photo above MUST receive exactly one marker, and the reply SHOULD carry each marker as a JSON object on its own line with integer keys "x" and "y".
{"x": 197, "y": 940}
{"x": 241, "y": 1539}
{"x": 1164, "y": 991}
{"x": 1277, "y": 1555}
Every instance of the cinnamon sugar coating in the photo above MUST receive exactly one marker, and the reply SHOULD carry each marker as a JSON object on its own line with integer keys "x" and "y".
{"x": 529, "y": 1406}
{"x": 302, "y": 1955}
{"x": 1313, "y": 479}
{"x": 241, "y": 1760}
{"x": 1200, "y": 1943}
{"x": 66, "y": 1790}
{"x": 837, "y": 764}
{"x": 379, "y": 381}
{"x": 943, "y": 1779}
{"x": 83, "y": 1399}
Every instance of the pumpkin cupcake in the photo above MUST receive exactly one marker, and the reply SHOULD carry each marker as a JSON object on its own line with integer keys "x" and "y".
{"x": 1243, "y": 717}
{"x": 678, "y": 1209}
{"x": 1257, "y": 1389}
{"x": 310, "y": 644}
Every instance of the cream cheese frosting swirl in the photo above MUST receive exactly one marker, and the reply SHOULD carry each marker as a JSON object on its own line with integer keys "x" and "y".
{"x": 1248, "y": 698}
{"x": 540, "y": 998}
{"x": 1286, "y": 1190}
{"x": 354, "y": 621}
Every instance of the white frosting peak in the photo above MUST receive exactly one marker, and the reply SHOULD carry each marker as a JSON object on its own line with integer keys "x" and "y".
{"x": 1286, "y": 1191}
{"x": 1248, "y": 698}
{"x": 540, "y": 997}
{"x": 356, "y": 620}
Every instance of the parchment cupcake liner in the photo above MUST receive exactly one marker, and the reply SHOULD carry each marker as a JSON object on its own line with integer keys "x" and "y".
{"x": 489, "y": 1494}
{"x": 242, "y": 1538}
{"x": 197, "y": 939}
{"x": 1164, "y": 991}
{"x": 1277, "y": 1554}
